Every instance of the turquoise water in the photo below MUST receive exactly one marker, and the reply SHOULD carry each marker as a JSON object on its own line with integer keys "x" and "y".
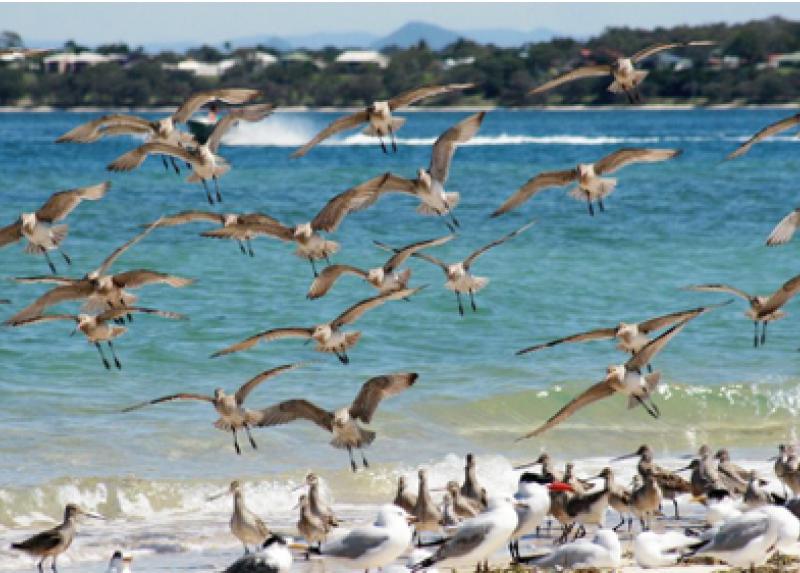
{"x": 694, "y": 219}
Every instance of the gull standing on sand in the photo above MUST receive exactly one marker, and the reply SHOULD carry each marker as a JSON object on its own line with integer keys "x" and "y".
{"x": 762, "y": 309}
{"x": 328, "y": 335}
{"x": 233, "y": 416}
{"x": 626, "y": 77}
{"x": 602, "y": 552}
{"x": 655, "y": 550}
{"x": 624, "y": 378}
{"x": 385, "y": 278}
{"x": 379, "y": 117}
{"x": 96, "y": 328}
{"x": 343, "y": 422}
{"x": 101, "y": 290}
{"x": 532, "y": 506}
{"x": 459, "y": 278}
{"x": 771, "y": 129}
{"x": 246, "y": 526}
{"x": 428, "y": 187}
{"x": 55, "y": 541}
{"x": 38, "y": 229}
{"x": 205, "y": 163}
{"x": 591, "y": 186}
{"x": 274, "y": 556}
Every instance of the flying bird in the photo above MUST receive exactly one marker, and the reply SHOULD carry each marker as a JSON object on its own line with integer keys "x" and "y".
{"x": 343, "y": 423}
{"x": 459, "y": 278}
{"x": 591, "y": 186}
{"x": 624, "y": 378}
{"x": 762, "y": 309}
{"x": 385, "y": 278}
{"x": 233, "y": 416}
{"x": 772, "y": 129}
{"x": 38, "y": 228}
{"x": 205, "y": 163}
{"x": 626, "y": 77}
{"x": 428, "y": 187}
{"x": 785, "y": 229}
{"x": 329, "y": 335}
{"x": 379, "y": 117}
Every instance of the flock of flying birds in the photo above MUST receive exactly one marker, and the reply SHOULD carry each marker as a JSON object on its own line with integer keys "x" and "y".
{"x": 476, "y": 525}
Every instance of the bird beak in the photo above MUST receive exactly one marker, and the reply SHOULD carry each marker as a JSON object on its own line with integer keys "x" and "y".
{"x": 411, "y": 519}
{"x": 625, "y": 457}
{"x": 528, "y": 465}
{"x": 128, "y": 559}
{"x": 92, "y": 515}
{"x": 686, "y": 457}
{"x": 74, "y": 330}
{"x": 216, "y": 496}
{"x": 559, "y": 486}
{"x": 684, "y": 469}
{"x": 438, "y": 489}
{"x": 298, "y": 546}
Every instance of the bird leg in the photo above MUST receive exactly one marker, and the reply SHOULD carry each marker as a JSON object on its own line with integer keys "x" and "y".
{"x": 600, "y": 204}
{"x": 53, "y": 565}
{"x": 621, "y": 522}
{"x": 649, "y": 368}
{"x": 675, "y": 503}
{"x": 472, "y": 301}
{"x": 164, "y": 161}
{"x": 339, "y": 356}
{"x": 40, "y": 565}
{"x": 241, "y": 247}
{"x": 208, "y": 192}
{"x": 460, "y": 306}
{"x": 236, "y": 442}
{"x": 246, "y": 550}
{"x": 250, "y": 437}
{"x": 383, "y": 145}
{"x": 175, "y": 165}
{"x": 250, "y": 248}
{"x": 129, "y": 316}
{"x": 763, "y": 332}
{"x": 327, "y": 260}
{"x": 313, "y": 267}
{"x": 65, "y": 256}
{"x": 114, "y": 354}
{"x": 49, "y": 262}
{"x": 363, "y": 458}
{"x": 589, "y": 202}
{"x": 352, "y": 461}
{"x": 216, "y": 188}
{"x": 102, "y": 356}
{"x": 394, "y": 142}
{"x": 653, "y": 411}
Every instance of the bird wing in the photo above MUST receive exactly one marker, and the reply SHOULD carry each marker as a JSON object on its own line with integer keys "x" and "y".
{"x": 376, "y": 389}
{"x": 628, "y": 155}
{"x": 170, "y": 398}
{"x": 326, "y": 279}
{"x": 354, "y": 312}
{"x": 576, "y": 74}
{"x": 651, "y": 50}
{"x": 257, "y": 219}
{"x": 115, "y": 313}
{"x": 597, "y": 334}
{"x": 289, "y": 411}
{"x": 190, "y": 217}
{"x": 340, "y": 124}
{"x": 354, "y": 199}
{"x": 121, "y": 130}
{"x": 413, "y": 96}
{"x": 663, "y": 321}
{"x": 445, "y": 146}
{"x": 73, "y": 291}
{"x": 41, "y": 542}
{"x": 61, "y": 204}
{"x": 239, "y": 230}
{"x": 44, "y": 318}
{"x": 197, "y": 100}
{"x": 649, "y": 350}
{"x": 141, "y": 277}
{"x": 134, "y": 158}
{"x": 735, "y": 534}
{"x": 782, "y": 295}
{"x": 473, "y": 257}
{"x": 771, "y": 129}
{"x": 785, "y": 230}
{"x": 401, "y": 255}
{"x": 399, "y": 185}
{"x": 91, "y": 130}
{"x": 533, "y": 186}
{"x": 469, "y": 536}
{"x": 266, "y": 336}
{"x": 251, "y": 113}
{"x": 245, "y": 389}
{"x": 109, "y": 260}
{"x": 46, "y": 279}
{"x": 357, "y": 544}
{"x": 719, "y": 287}
{"x": 594, "y": 393}
{"x": 11, "y": 233}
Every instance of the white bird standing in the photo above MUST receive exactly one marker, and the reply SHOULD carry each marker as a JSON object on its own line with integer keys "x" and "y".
{"x": 120, "y": 563}
{"x": 653, "y": 550}
{"x": 38, "y": 228}
{"x": 274, "y": 556}
{"x": 602, "y": 552}
{"x": 532, "y": 506}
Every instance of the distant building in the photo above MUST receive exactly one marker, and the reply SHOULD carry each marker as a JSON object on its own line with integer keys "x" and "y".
{"x": 363, "y": 58}
{"x": 202, "y": 69}
{"x": 450, "y": 63}
{"x": 263, "y": 58}
{"x": 779, "y": 60}
{"x": 724, "y": 62}
{"x": 302, "y": 58}
{"x": 69, "y": 63}
{"x": 673, "y": 62}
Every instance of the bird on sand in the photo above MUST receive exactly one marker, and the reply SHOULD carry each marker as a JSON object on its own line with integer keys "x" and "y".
{"x": 317, "y": 502}
{"x": 55, "y": 541}
{"x": 102, "y": 291}
{"x": 459, "y": 278}
{"x": 602, "y": 552}
{"x": 120, "y": 563}
{"x": 379, "y": 118}
{"x": 785, "y": 229}
{"x": 427, "y": 516}
{"x": 233, "y": 416}
{"x": 96, "y": 328}
{"x": 591, "y": 186}
{"x": 328, "y": 335}
{"x": 632, "y": 336}
{"x": 404, "y": 498}
{"x": 205, "y": 163}
{"x": 38, "y": 228}
{"x": 245, "y": 525}
{"x": 770, "y": 130}
{"x": 428, "y": 186}
{"x": 310, "y": 525}
{"x": 762, "y": 309}
{"x": 657, "y": 550}
{"x": 274, "y": 556}
{"x": 342, "y": 423}
{"x": 532, "y": 506}
{"x": 626, "y": 77}
{"x": 624, "y": 378}
{"x": 385, "y": 278}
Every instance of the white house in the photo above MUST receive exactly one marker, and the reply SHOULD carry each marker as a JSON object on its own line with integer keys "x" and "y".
{"x": 202, "y": 69}
{"x": 67, "y": 62}
{"x": 363, "y": 57}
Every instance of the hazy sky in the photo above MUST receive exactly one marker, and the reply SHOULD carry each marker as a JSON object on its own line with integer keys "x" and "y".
{"x": 213, "y": 23}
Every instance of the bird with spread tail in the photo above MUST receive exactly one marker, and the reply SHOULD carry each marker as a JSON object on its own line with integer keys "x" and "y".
{"x": 770, "y": 130}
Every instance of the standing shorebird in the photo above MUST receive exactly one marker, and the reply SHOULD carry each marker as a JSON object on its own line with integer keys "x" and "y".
{"x": 591, "y": 186}
{"x": 590, "y": 508}
{"x": 96, "y": 328}
{"x": 379, "y": 118}
{"x": 385, "y": 278}
{"x": 205, "y": 163}
{"x": 770, "y": 130}
{"x": 342, "y": 423}
{"x": 233, "y": 416}
{"x": 602, "y": 552}
{"x": 404, "y": 498}
{"x": 471, "y": 489}
{"x": 428, "y": 186}
{"x": 427, "y": 516}
{"x": 55, "y": 541}
{"x": 671, "y": 484}
{"x": 733, "y": 476}
{"x": 646, "y": 499}
{"x": 626, "y": 77}
{"x": 310, "y": 525}
{"x": 762, "y": 309}
{"x": 459, "y": 278}
{"x": 549, "y": 472}
{"x": 38, "y": 228}
{"x": 462, "y": 505}
{"x": 316, "y": 502}
{"x": 328, "y": 336}
{"x": 532, "y": 504}
{"x": 246, "y": 526}
{"x": 624, "y": 378}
